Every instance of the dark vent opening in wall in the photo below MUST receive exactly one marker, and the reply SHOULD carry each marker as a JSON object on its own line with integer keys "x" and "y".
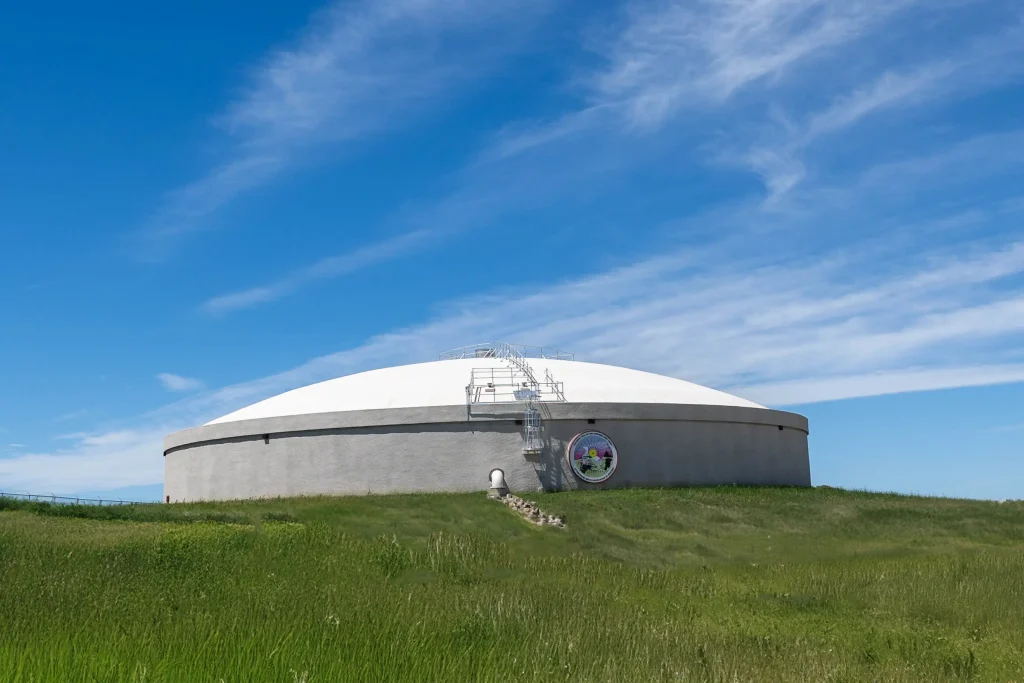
{"x": 266, "y": 438}
{"x": 591, "y": 421}
{"x": 519, "y": 422}
{"x": 780, "y": 428}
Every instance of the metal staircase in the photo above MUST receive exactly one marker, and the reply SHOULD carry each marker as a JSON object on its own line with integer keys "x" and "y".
{"x": 514, "y": 382}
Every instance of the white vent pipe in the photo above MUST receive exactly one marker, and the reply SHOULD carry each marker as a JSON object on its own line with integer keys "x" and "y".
{"x": 498, "y": 487}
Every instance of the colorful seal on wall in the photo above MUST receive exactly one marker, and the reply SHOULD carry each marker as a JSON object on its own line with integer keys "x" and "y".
{"x": 592, "y": 457}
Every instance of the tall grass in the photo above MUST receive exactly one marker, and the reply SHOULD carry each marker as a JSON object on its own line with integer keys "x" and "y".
{"x": 465, "y": 591}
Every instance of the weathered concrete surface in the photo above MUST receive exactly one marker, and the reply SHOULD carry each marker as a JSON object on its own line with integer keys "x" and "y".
{"x": 448, "y": 449}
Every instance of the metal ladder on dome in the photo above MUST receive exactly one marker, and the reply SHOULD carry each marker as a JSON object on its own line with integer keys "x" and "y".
{"x": 532, "y": 443}
{"x": 518, "y": 385}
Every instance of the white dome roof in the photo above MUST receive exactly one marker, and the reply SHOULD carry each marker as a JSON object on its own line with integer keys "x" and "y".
{"x": 443, "y": 383}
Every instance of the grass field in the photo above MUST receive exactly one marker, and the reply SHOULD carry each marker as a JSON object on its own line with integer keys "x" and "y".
{"x": 727, "y": 584}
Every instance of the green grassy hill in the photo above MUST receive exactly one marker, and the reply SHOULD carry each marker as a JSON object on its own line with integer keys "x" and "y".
{"x": 721, "y": 584}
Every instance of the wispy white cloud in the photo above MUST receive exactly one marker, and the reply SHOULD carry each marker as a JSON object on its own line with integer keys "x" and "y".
{"x": 839, "y": 387}
{"x": 185, "y": 208}
{"x": 332, "y": 266}
{"x": 972, "y": 160}
{"x": 668, "y": 54}
{"x": 684, "y": 56}
{"x": 96, "y": 462}
{"x": 979, "y": 66}
{"x": 1008, "y": 428}
{"x": 720, "y": 67}
{"x": 16, "y": 445}
{"x": 360, "y": 68}
{"x": 675, "y": 55}
{"x": 423, "y": 228}
{"x": 520, "y": 137}
{"x": 672, "y": 56}
{"x": 173, "y": 382}
{"x": 73, "y": 415}
{"x": 780, "y": 169}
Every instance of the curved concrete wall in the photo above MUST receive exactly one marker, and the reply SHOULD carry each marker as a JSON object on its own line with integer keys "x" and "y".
{"x": 451, "y": 448}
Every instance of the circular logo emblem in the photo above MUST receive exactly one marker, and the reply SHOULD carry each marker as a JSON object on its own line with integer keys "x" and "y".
{"x": 593, "y": 457}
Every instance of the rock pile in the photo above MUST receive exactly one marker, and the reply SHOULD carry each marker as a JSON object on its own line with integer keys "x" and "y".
{"x": 531, "y": 512}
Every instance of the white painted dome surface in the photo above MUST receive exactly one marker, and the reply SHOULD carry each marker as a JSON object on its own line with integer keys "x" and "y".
{"x": 443, "y": 383}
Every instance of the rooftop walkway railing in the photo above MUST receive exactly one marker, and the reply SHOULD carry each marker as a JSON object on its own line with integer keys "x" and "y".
{"x": 499, "y": 349}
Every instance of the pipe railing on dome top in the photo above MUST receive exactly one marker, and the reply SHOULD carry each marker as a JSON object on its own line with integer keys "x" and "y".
{"x": 504, "y": 350}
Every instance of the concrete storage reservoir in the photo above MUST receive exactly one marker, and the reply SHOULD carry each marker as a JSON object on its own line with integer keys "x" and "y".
{"x": 547, "y": 421}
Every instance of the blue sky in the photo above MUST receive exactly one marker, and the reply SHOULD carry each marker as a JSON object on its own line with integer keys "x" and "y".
{"x": 816, "y": 205}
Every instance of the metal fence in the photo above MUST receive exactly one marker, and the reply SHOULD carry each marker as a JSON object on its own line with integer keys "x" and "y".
{"x": 67, "y": 500}
{"x": 499, "y": 349}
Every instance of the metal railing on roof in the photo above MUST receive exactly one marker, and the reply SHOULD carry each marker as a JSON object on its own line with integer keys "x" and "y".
{"x": 510, "y": 385}
{"x": 504, "y": 350}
